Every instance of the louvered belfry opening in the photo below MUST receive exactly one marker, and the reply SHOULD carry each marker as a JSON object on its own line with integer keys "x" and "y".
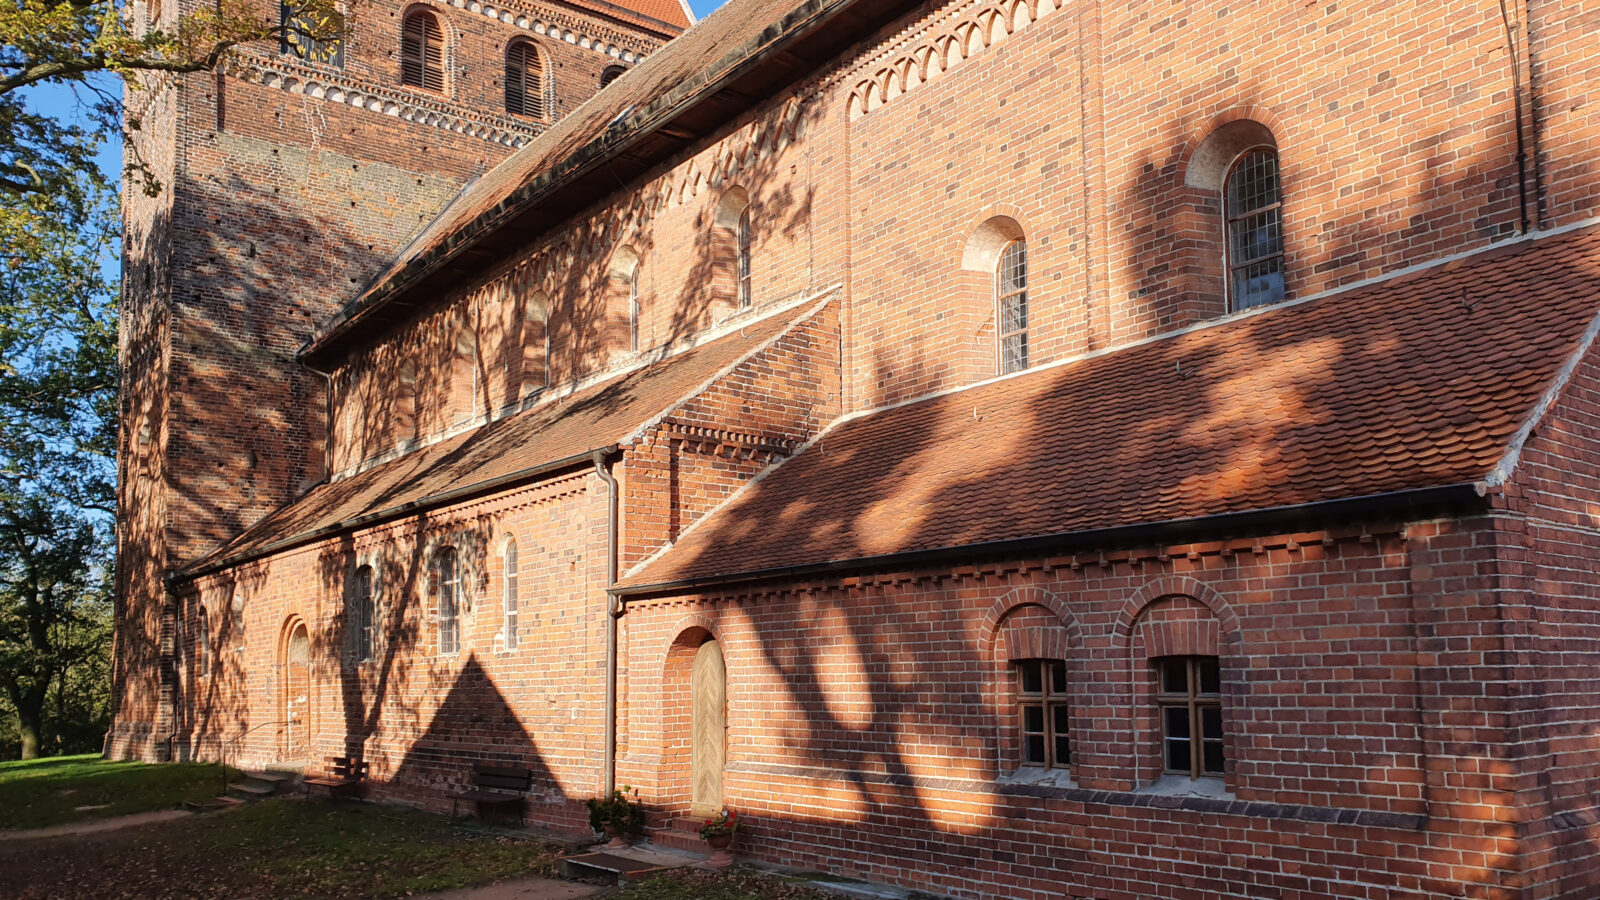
{"x": 422, "y": 52}
{"x": 525, "y": 80}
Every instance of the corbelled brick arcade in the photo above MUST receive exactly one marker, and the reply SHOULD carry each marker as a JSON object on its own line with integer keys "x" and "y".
{"x": 1012, "y": 448}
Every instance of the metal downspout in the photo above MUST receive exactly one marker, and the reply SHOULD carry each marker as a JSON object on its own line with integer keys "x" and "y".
{"x": 613, "y": 612}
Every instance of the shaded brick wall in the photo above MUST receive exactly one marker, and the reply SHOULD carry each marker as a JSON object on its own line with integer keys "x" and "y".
{"x": 870, "y": 719}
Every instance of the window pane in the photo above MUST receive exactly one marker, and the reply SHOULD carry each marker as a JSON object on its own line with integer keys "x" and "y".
{"x": 1178, "y": 755}
{"x": 1253, "y": 182}
{"x": 1258, "y": 284}
{"x": 1033, "y": 719}
{"x": 1032, "y": 679}
{"x": 1177, "y": 721}
{"x": 1033, "y": 749}
{"x": 1058, "y": 678}
{"x": 1210, "y": 675}
{"x": 1211, "y": 722}
{"x": 1063, "y": 750}
{"x": 1014, "y": 353}
{"x": 1175, "y": 676}
{"x": 1211, "y": 762}
{"x": 1013, "y": 272}
{"x": 1059, "y": 721}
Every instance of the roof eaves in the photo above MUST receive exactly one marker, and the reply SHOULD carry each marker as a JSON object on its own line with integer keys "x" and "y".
{"x": 1432, "y": 499}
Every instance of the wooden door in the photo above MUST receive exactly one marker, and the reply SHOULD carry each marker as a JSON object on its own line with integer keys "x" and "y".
{"x": 708, "y": 729}
{"x": 297, "y": 696}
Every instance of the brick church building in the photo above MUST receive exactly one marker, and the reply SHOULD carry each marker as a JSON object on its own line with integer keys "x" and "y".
{"x": 1015, "y": 448}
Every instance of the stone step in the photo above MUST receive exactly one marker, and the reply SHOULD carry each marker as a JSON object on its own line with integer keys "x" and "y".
{"x": 622, "y": 866}
{"x": 679, "y": 834}
{"x": 256, "y": 785}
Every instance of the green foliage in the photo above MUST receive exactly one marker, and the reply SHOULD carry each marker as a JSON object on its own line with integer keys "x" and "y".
{"x": 725, "y": 822}
{"x": 618, "y": 811}
{"x": 275, "y": 848}
{"x": 41, "y": 792}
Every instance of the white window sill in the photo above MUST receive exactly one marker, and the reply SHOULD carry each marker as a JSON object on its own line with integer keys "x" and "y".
{"x": 1037, "y": 775}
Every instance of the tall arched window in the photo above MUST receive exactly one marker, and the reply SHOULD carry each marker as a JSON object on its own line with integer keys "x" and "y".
{"x": 633, "y": 309}
{"x": 203, "y": 643}
{"x": 1252, "y": 205}
{"x": 610, "y": 74}
{"x": 422, "y": 51}
{"x": 525, "y": 90}
{"x": 1011, "y": 306}
{"x": 509, "y": 626}
{"x": 447, "y": 599}
{"x": 744, "y": 237}
{"x": 359, "y": 614}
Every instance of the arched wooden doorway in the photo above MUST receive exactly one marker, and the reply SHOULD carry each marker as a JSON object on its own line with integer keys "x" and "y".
{"x": 297, "y": 695}
{"x": 708, "y": 685}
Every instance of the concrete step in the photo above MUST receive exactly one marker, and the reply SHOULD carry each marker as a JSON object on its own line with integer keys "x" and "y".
{"x": 257, "y": 785}
{"x": 622, "y": 866}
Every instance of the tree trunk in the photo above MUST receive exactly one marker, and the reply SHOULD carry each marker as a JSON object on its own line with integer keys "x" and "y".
{"x": 30, "y": 721}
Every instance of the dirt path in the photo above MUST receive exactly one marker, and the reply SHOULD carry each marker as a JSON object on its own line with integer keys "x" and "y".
{"x": 94, "y": 826}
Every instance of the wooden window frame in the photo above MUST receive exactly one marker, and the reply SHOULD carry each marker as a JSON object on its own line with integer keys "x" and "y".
{"x": 1194, "y": 701}
{"x": 447, "y": 597}
{"x": 362, "y": 613}
{"x": 1230, "y": 216}
{"x": 1013, "y": 290}
{"x": 1048, "y": 700}
{"x": 429, "y": 71}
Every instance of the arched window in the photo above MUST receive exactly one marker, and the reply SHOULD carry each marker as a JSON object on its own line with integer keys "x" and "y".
{"x": 1252, "y": 206}
{"x": 312, "y": 35}
{"x": 525, "y": 90}
{"x": 359, "y": 614}
{"x": 422, "y": 51}
{"x": 203, "y": 643}
{"x": 611, "y": 73}
{"x": 633, "y": 309}
{"x": 466, "y": 377}
{"x": 509, "y": 626}
{"x": 1011, "y": 306}
{"x": 447, "y": 600}
{"x": 744, "y": 240}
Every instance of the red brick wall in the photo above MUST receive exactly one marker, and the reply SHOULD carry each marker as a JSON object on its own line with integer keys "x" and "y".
{"x": 870, "y": 720}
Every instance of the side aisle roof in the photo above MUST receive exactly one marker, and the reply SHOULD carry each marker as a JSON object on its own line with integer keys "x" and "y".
{"x": 1427, "y": 382}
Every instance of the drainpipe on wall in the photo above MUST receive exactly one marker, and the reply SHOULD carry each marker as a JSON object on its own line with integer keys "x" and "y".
{"x": 613, "y": 612}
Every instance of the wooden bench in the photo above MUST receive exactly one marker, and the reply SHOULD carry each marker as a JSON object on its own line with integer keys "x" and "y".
{"x": 497, "y": 787}
{"x": 343, "y": 776}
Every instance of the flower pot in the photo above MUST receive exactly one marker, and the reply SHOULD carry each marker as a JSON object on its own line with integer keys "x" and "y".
{"x": 619, "y": 838}
{"x": 720, "y": 857}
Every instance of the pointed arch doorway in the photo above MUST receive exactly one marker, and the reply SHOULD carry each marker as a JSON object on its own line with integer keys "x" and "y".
{"x": 708, "y": 729}
{"x": 296, "y": 695}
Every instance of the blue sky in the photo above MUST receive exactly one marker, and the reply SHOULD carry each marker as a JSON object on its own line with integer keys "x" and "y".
{"x": 703, "y": 8}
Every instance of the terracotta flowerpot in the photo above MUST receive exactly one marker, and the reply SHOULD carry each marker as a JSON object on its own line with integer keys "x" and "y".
{"x": 619, "y": 839}
{"x": 720, "y": 857}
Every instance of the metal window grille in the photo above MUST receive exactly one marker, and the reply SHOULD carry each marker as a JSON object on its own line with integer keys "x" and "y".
{"x": 510, "y": 624}
{"x": 362, "y": 613}
{"x": 447, "y": 583}
{"x": 1190, "y": 702}
{"x": 1011, "y": 307}
{"x": 745, "y": 296}
{"x": 525, "y": 81}
{"x": 1042, "y": 713}
{"x": 1253, "y": 206}
{"x": 422, "y": 52}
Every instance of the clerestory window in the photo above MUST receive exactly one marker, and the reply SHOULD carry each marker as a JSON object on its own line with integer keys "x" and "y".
{"x": 1011, "y": 306}
{"x": 447, "y": 600}
{"x": 1253, "y": 206}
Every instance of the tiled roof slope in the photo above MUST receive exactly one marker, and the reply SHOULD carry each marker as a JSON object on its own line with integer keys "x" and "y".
{"x": 670, "y": 12}
{"x": 589, "y": 419}
{"x": 1422, "y": 381}
{"x": 699, "y": 55}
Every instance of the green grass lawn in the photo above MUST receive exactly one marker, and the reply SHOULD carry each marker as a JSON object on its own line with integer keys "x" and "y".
{"x": 275, "y": 848}
{"x": 40, "y": 792}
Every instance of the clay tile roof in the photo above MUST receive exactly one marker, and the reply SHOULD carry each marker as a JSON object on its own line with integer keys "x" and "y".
{"x": 1418, "y": 382}
{"x": 593, "y": 418}
{"x": 667, "y": 12}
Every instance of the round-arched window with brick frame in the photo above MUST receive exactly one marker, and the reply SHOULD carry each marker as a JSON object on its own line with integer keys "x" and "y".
{"x": 526, "y": 88}
{"x": 611, "y": 73}
{"x": 1252, "y": 201}
{"x": 1011, "y": 306}
{"x": 422, "y": 51}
